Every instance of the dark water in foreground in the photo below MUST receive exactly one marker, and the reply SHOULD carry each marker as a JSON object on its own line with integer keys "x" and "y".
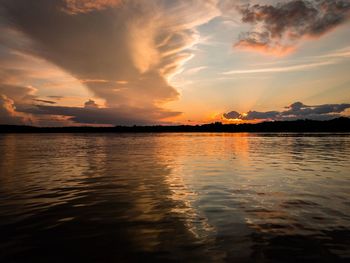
{"x": 174, "y": 197}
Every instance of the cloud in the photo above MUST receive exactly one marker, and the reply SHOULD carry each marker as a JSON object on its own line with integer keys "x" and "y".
{"x": 278, "y": 28}
{"x": 56, "y": 97}
{"x": 260, "y": 42}
{"x": 300, "y": 64}
{"x": 294, "y": 111}
{"x": 86, "y": 6}
{"x": 25, "y": 77}
{"x": 232, "y": 115}
{"x": 91, "y": 114}
{"x": 299, "y": 67}
{"x": 90, "y": 104}
{"x": 18, "y": 93}
{"x": 193, "y": 71}
{"x": 299, "y": 110}
{"x": 133, "y": 50}
{"x": 45, "y": 101}
{"x": 8, "y": 113}
{"x": 256, "y": 115}
{"x": 340, "y": 53}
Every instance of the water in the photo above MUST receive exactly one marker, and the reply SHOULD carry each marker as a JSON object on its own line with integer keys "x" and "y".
{"x": 174, "y": 197}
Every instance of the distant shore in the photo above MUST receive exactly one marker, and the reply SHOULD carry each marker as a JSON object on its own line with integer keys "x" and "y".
{"x": 341, "y": 124}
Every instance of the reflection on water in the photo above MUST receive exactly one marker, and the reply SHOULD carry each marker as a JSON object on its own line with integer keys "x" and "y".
{"x": 175, "y": 197}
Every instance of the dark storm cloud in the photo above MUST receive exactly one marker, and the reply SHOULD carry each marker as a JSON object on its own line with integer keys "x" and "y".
{"x": 232, "y": 115}
{"x": 45, "y": 101}
{"x": 127, "y": 52}
{"x": 283, "y": 24}
{"x": 90, "y": 104}
{"x": 300, "y": 110}
{"x": 80, "y": 44}
{"x": 93, "y": 115}
{"x": 296, "y": 111}
{"x": 256, "y": 115}
{"x": 139, "y": 43}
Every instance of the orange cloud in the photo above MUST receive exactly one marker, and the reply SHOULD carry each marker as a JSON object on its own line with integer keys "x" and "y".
{"x": 276, "y": 49}
{"x": 8, "y": 113}
{"x": 86, "y": 6}
{"x": 125, "y": 57}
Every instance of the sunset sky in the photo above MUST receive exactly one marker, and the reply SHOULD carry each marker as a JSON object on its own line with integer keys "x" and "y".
{"x": 126, "y": 62}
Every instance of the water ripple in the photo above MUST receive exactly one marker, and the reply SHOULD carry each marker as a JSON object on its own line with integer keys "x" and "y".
{"x": 175, "y": 197}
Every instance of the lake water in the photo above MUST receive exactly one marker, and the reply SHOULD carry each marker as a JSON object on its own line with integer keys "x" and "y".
{"x": 207, "y": 197}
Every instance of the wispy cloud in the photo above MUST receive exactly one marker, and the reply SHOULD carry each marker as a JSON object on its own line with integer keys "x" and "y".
{"x": 299, "y": 64}
{"x": 340, "y": 53}
{"x": 300, "y": 67}
{"x": 193, "y": 71}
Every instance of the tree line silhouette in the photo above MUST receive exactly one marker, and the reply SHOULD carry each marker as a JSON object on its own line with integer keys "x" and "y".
{"x": 341, "y": 124}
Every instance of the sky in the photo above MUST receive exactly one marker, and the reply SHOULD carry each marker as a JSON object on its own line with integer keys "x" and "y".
{"x": 147, "y": 62}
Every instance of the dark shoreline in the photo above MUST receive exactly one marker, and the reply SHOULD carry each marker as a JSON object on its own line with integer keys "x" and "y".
{"x": 341, "y": 124}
